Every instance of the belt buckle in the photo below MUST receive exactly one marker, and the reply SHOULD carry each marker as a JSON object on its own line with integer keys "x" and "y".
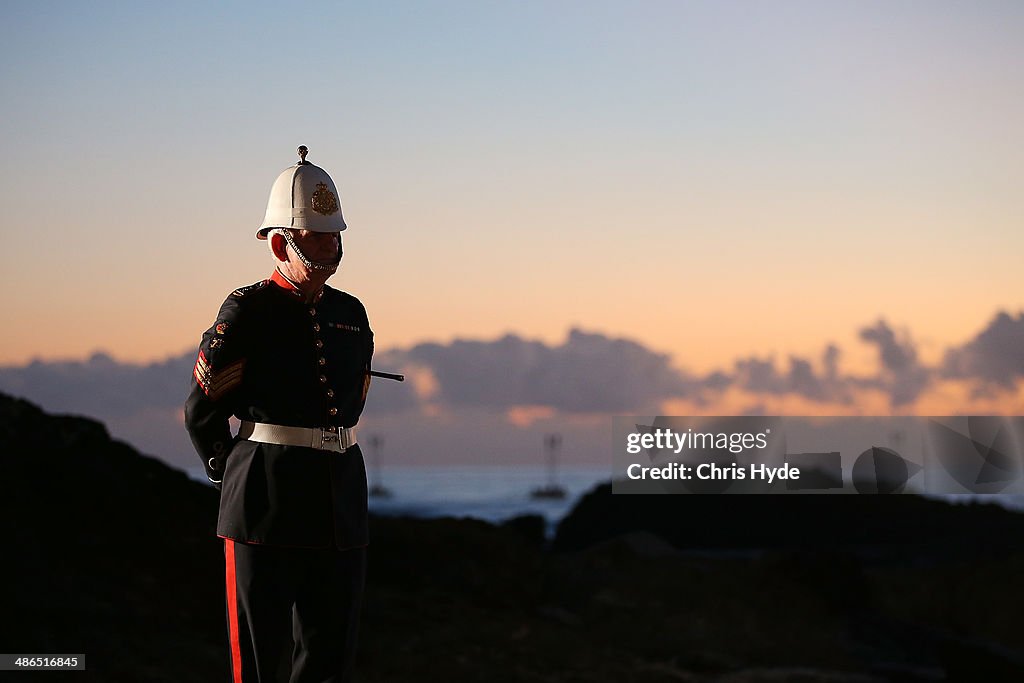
{"x": 331, "y": 435}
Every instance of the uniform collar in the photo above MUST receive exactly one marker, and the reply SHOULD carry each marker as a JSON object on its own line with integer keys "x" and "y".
{"x": 287, "y": 285}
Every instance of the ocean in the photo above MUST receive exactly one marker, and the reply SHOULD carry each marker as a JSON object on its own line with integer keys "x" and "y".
{"x": 492, "y": 493}
{"x": 495, "y": 493}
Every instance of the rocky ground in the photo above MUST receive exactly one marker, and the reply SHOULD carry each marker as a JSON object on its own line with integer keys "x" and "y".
{"x": 112, "y": 554}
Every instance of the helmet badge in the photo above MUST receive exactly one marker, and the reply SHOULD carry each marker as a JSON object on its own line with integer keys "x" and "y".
{"x": 324, "y": 201}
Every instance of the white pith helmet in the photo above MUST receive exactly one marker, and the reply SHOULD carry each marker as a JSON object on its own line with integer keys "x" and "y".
{"x": 303, "y": 197}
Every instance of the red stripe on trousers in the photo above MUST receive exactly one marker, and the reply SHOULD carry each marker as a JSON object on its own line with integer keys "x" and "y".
{"x": 236, "y": 648}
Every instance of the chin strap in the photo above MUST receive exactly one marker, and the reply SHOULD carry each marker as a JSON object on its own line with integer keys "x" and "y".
{"x": 306, "y": 261}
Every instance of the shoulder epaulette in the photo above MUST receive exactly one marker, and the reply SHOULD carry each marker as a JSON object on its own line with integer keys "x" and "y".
{"x": 256, "y": 286}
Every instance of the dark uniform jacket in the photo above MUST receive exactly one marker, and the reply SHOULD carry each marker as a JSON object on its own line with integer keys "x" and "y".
{"x": 271, "y": 357}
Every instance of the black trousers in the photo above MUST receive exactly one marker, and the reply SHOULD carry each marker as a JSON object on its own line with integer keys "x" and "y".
{"x": 293, "y": 613}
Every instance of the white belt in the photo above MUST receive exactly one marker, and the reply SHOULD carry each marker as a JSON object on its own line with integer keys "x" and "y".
{"x": 338, "y": 439}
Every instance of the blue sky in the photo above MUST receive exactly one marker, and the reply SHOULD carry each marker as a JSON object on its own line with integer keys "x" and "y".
{"x": 709, "y": 178}
{"x": 784, "y": 207}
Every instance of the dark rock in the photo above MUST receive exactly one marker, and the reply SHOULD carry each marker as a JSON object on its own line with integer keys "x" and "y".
{"x": 876, "y": 528}
{"x": 835, "y": 578}
{"x": 970, "y": 660}
{"x": 106, "y": 553}
{"x": 112, "y": 554}
{"x": 530, "y": 528}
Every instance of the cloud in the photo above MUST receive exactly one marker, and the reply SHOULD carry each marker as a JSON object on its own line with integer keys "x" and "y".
{"x": 901, "y": 375}
{"x": 102, "y": 385}
{"x": 524, "y": 385}
{"x": 761, "y": 377}
{"x": 994, "y": 357}
{"x": 512, "y": 380}
{"x": 587, "y": 373}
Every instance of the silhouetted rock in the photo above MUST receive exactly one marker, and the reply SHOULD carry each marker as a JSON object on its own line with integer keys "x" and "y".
{"x": 112, "y": 554}
{"x": 106, "y": 553}
{"x": 530, "y": 527}
{"x": 876, "y": 528}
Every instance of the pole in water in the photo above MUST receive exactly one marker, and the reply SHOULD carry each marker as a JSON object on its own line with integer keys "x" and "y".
{"x": 552, "y": 443}
{"x": 378, "y": 490}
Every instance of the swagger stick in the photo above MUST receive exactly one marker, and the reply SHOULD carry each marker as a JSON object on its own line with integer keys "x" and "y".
{"x": 388, "y": 375}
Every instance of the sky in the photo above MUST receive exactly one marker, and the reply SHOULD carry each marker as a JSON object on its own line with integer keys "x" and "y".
{"x": 727, "y": 185}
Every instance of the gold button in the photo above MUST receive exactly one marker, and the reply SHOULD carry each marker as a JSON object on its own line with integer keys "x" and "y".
{"x": 316, "y": 327}
{"x": 333, "y": 412}
{"x": 312, "y": 311}
{"x": 323, "y": 379}
{"x": 330, "y": 393}
{"x": 322, "y": 361}
{"x": 319, "y": 344}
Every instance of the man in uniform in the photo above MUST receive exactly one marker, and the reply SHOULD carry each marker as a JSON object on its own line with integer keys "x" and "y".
{"x": 290, "y": 358}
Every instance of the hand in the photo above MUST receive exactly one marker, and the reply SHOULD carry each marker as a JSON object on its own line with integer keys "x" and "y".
{"x": 215, "y": 471}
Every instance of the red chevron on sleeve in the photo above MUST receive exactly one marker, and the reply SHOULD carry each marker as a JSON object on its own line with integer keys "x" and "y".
{"x": 216, "y": 383}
